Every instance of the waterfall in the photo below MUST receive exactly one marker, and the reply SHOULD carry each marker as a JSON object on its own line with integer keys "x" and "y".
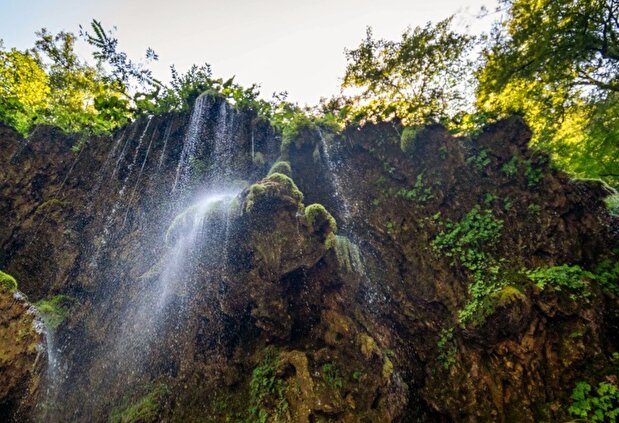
{"x": 137, "y": 181}
{"x": 183, "y": 170}
{"x": 335, "y": 180}
{"x": 166, "y": 137}
{"x": 152, "y": 309}
{"x": 109, "y": 221}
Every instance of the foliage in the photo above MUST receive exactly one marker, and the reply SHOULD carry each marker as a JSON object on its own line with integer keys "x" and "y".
{"x": 51, "y": 85}
{"x": 511, "y": 167}
{"x": 146, "y": 410}
{"x": 318, "y": 218}
{"x": 556, "y": 62}
{"x": 267, "y": 391}
{"x": 54, "y": 310}
{"x": 417, "y": 79}
{"x": 448, "y": 350}
{"x": 331, "y": 374}
{"x": 7, "y": 282}
{"x": 607, "y": 275}
{"x": 602, "y": 405}
{"x": 612, "y": 201}
{"x": 481, "y": 160}
{"x": 572, "y": 278}
{"x": 534, "y": 175}
{"x": 467, "y": 243}
{"x": 419, "y": 193}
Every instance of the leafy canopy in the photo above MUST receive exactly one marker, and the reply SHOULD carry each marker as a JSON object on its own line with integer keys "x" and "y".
{"x": 418, "y": 78}
{"x": 557, "y": 63}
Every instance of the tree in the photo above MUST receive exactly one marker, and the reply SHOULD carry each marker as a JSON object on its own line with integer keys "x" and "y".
{"x": 418, "y": 79}
{"x": 24, "y": 89}
{"x": 557, "y": 63}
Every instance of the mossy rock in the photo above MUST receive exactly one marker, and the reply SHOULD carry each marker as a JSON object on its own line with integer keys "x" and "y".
{"x": 282, "y": 167}
{"x": 319, "y": 219}
{"x": 276, "y": 186}
{"x": 7, "y": 283}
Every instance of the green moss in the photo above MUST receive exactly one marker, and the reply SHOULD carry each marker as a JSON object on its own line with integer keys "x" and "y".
{"x": 259, "y": 159}
{"x": 387, "y": 367}
{"x": 265, "y": 188}
{"x": 7, "y": 283}
{"x": 348, "y": 255}
{"x": 507, "y": 295}
{"x": 282, "y": 167}
{"x": 145, "y": 410}
{"x": 54, "y": 310}
{"x": 319, "y": 219}
{"x": 407, "y": 139}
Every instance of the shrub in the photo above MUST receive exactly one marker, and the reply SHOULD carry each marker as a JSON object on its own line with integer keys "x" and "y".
{"x": 420, "y": 193}
{"x": 466, "y": 242}
{"x": 599, "y": 406}
{"x": 481, "y": 160}
{"x": 448, "y": 350}
{"x": 7, "y": 283}
{"x": 511, "y": 167}
{"x": 572, "y": 278}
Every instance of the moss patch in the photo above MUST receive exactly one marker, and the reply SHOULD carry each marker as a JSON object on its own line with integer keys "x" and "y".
{"x": 319, "y": 219}
{"x": 54, "y": 310}
{"x": 276, "y": 185}
{"x": 281, "y": 167}
{"x": 7, "y": 283}
{"x": 145, "y": 410}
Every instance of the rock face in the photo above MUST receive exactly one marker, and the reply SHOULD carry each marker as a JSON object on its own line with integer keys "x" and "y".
{"x": 445, "y": 279}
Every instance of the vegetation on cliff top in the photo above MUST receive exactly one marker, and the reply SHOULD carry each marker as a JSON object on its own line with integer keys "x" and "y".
{"x": 554, "y": 62}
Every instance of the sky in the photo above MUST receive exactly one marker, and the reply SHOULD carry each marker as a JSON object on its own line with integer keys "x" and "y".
{"x": 283, "y": 45}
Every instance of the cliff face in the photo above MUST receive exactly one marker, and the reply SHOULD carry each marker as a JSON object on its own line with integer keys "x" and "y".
{"x": 445, "y": 289}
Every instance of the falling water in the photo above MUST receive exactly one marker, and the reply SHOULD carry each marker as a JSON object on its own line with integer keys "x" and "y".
{"x": 155, "y": 306}
{"x": 166, "y": 136}
{"x": 137, "y": 181}
{"x": 335, "y": 181}
{"x": 183, "y": 170}
{"x": 103, "y": 239}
